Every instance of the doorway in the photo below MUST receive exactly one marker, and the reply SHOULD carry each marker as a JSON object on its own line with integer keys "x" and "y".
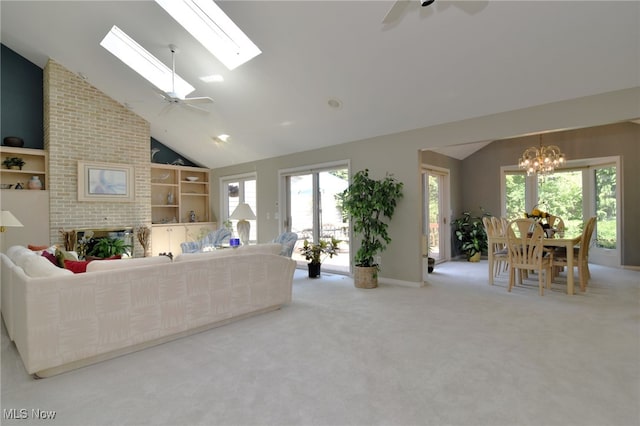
{"x": 435, "y": 213}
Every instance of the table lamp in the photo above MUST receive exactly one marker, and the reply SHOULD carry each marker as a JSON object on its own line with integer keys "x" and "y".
{"x": 243, "y": 214}
{"x": 8, "y": 220}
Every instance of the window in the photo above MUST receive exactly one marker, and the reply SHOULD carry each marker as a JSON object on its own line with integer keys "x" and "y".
{"x": 235, "y": 190}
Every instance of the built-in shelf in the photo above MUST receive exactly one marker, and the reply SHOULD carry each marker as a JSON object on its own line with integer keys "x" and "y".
{"x": 35, "y": 165}
{"x": 173, "y": 196}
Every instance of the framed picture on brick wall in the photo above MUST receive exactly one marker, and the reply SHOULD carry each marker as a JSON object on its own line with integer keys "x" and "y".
{"x": 105, "y": 182}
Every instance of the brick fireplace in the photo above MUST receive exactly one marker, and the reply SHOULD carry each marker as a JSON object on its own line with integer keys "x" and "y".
{"x": 82, "y": 123}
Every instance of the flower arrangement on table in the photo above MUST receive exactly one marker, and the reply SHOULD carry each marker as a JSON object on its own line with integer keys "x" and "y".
{"x": 540, "y": 215}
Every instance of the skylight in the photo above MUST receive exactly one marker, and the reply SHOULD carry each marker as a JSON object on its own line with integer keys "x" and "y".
{"x": 208, "y": 24}
{"x": 144, "y": 63}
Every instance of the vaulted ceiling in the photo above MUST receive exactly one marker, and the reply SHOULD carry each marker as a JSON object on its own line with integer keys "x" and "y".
{"x": 431, "y": 65}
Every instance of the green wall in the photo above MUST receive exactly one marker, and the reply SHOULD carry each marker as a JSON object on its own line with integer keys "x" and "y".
{"x": 21, "y": 99}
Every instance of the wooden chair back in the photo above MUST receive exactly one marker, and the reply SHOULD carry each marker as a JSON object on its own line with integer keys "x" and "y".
{"x": 525, "y": 243}
{"x": 585, "y": 240}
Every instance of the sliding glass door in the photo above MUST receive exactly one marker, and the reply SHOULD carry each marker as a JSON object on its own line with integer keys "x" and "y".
{"x": 313, "y": 212}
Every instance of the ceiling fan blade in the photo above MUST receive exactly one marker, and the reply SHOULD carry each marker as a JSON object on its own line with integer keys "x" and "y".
{"x": 198, "y": 100}
{"x": 165, "y": 110}
{"x": 195, "y": 108}
{"x": 396, "y": 11}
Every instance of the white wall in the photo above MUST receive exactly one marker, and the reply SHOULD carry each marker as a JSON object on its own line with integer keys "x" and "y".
{"x": 400, "y": 154}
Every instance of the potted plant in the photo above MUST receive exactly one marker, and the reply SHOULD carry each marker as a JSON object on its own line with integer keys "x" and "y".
{"x": 471, "y": 235}
{"x": 313, "y": 253}
{"x": 109, "y": 247}
{"x": 431, "y": 261}
{"x": 13, "y": 163}
{"x": 368, "y": 202}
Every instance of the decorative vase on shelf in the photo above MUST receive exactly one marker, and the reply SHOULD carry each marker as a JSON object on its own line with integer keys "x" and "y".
{"x": 34, "y": 183}
{"x": 170, "y": 198}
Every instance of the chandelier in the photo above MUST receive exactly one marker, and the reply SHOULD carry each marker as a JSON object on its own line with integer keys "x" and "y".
{"x": 542, "y": 160}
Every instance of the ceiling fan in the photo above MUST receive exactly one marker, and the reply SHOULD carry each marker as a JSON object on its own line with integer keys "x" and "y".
{"x": 398, "y": 8}
{"x": 174, "y": 98}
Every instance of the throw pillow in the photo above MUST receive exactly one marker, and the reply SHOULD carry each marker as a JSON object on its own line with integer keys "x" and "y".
{"x": 37, "y": 248}
{"x": 50, "y": 257}
{"x": 76, "y": 266}
{"x": 63, "y": 255}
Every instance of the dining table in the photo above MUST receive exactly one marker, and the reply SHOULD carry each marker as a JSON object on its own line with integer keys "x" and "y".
{"x": 556, "y": 240}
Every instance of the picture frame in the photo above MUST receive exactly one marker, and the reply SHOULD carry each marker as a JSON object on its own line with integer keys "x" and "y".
{"x": 105, "y": 182}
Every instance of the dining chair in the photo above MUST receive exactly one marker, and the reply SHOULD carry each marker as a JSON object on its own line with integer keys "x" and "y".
{"x": 556, "y": 223}
{"x": 493, "y": 227}
{"x": 525, "y": 244}
{"x": 580, "y": 254}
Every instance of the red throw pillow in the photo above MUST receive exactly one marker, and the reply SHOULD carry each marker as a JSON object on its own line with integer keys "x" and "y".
{"x": 51, "y": 258}
{"x": 37, "y": 248}
{"x": 76, "y": 266}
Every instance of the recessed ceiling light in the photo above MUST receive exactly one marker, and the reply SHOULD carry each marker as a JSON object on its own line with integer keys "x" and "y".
{"x": 334, "y": 103}
{"x": 214, "y": 78}
{"x": 208, "y": 24}
{"x": 144, "y": 63}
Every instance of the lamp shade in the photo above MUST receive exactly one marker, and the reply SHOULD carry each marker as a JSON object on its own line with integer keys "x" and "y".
{"x": 7, "y": 219}
{"x": 243, "y": 212}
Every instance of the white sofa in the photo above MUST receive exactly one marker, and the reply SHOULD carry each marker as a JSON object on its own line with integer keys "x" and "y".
{"x": 60, "y": 321}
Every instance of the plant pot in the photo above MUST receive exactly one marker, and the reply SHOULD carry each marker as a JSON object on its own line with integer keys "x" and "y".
{"x": 475, "y": 257}
{"x": 314, "y": 270}
{"x": 365, "y": 276}
{"x": 431, "y": 263}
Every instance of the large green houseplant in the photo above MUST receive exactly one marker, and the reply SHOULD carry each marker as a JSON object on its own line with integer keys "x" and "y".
{"x": 370, "y": 203}
{"x": 109, "y": 247}
{"x": 471, "y": 235}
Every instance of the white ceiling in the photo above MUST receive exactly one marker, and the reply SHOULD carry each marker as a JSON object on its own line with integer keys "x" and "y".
{"x": 446, "y": 62}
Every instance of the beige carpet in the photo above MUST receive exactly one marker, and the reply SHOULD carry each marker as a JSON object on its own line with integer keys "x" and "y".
{"x": 456, "y": 352}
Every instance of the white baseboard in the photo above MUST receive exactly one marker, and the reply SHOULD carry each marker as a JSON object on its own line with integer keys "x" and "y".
{"x": 402, "y": 283}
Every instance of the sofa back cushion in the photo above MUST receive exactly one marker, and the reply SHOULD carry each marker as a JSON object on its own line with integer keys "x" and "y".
{"x": 270, "y": 248}
{"x": 109, "y": 265}
{"x": 37, "y": 266}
